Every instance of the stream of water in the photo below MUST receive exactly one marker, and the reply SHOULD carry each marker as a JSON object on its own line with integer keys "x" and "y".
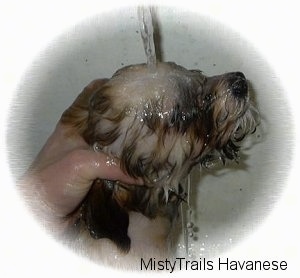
{"x": 147, "y": 33}
{"x": 146, "y": 29}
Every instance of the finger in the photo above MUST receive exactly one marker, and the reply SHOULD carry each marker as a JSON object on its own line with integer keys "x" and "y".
{"x": 65, "y": 183}
{"x": 92, "y": 165}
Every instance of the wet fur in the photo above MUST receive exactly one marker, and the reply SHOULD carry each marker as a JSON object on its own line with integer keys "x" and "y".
{"x": 190, "y": 120}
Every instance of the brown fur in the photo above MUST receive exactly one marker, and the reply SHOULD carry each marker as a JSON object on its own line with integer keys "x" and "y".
{"x": 159, "y": 126}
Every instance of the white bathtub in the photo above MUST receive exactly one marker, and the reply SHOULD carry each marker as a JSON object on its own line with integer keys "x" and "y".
{"x": 231, "y": 206}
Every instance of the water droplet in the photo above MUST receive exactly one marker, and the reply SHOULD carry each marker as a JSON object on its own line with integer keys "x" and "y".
{"x": 109, "y": 185}
{"x": 189, "y": 224}
{"x": 110, "y": 161}
{"x": 97, "y": 147}
{"x": 209, "y": 164}
{"x": 181, "y": 246}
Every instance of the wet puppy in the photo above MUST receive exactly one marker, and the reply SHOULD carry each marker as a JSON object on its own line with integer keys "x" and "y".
{"x": 159, "y": 124}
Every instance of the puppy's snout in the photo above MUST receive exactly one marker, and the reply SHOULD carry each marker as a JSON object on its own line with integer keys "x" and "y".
{"x": 239, "y": 74}
{"x": 238, "y": 84}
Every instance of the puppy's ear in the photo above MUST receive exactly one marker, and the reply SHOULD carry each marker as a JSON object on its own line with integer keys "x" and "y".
{"x": 104, "y": 217}
{"x": 77, "y": 114}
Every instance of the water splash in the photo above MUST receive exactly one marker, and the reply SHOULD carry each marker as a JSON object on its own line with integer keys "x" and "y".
{"x": 146, "y": 28}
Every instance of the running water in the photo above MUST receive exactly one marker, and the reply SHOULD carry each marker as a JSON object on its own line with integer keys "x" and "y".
{"x": 186, "y": 219}
{"x": 146, "y": 28}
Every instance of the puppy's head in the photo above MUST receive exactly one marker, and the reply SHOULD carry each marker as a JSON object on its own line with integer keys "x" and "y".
{"x": 160, "y": 124}
{"x": 225, "y": 102}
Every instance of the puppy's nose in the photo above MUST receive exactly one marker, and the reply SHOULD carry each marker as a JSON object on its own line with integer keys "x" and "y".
{"x": 239, "y": 74}
{"x": 239, "y": 86}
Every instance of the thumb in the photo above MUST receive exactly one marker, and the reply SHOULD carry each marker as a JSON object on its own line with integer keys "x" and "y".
{"x": 64, "y": 184}
{"x": 86, "y": 166}
{"x": 91, "y": 165}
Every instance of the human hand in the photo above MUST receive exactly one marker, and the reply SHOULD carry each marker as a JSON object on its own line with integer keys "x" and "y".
{"x": 64, "y": 171}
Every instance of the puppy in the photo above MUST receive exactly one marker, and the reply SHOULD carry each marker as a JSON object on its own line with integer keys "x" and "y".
{"x": 159, "y": 124}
